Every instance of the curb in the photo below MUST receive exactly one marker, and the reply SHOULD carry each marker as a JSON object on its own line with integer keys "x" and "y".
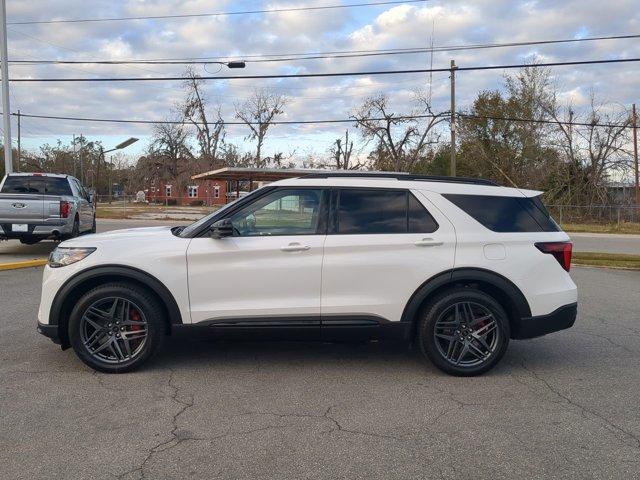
{"x": 36, "y": 262}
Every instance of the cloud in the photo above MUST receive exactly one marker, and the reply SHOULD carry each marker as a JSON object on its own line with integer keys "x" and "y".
{"x": 453, "y": 22}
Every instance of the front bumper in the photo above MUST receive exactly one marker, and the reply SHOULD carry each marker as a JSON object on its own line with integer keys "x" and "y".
{"x": 531, "y": 327}
{"x": 50, "y": 331}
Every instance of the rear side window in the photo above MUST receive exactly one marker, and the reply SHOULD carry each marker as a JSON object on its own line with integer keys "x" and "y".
{"x": 420, "y": 220}
{"x": 22, "y": 184}
{"x": 506, "y": 214}
{"x": 57, "y": 186}
{"x": 363, "y": 211}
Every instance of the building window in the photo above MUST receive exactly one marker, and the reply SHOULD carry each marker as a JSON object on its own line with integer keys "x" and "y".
{"x": 167, "y": 190}
{"x": 216, "y": 192}
{"x": 192, "y": 191}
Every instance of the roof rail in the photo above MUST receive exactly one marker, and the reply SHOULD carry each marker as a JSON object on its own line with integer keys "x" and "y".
{"x": 403, "y": 176}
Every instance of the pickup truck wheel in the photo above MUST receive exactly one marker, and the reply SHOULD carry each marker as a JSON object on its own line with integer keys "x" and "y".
{"x": 76, "y": 229}
{"x": 115, "y": 328}
{"x": 464, "y": 332}
{"x": 29, "y": 241}
{"x": 94, "y": 228}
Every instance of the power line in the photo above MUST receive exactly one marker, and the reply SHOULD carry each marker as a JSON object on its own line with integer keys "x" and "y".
{"x": 286, "y": 57}
{"x": 329, "y": 121}
{"x": 217, "y": 14}
{"x": 333, "y": 74}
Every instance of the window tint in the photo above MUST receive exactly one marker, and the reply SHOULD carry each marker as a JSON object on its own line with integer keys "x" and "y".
{"x": 57, "y": 186}
{"x": 282, "y": 212}
{"x": 420, "y": 220}
{"x": 372, "y": 211}
{"x": 506, "y": 214}
{"x": 22, "y": 184}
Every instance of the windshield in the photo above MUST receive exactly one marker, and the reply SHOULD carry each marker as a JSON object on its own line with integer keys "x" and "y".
{"x": 188, "y": 231}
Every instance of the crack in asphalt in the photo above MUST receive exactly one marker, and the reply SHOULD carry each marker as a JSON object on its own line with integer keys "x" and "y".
{"x": 583, "y": 410}
{"x": 337, "y": 426}
{"x": 175, "y": 438}
{"x": 604, "y": 337}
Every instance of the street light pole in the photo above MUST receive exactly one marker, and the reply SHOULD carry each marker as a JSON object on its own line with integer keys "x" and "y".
{"x": 453, "y": 118}
{"x": 6, "y": 108}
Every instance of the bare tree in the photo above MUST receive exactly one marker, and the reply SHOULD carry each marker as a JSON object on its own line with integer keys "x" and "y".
{"x": 402, "y": 141}
{"x": 170, "y": 155}
{"x": 594, "y": 150}
{"x": 341, "y": 153}
{"x": 210, "y": 133}
{"x": 258, "y": 113}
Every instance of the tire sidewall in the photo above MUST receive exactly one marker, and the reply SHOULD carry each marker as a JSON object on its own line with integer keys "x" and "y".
{"x": 151, "y": 310}
{"x": 432, "y": 312}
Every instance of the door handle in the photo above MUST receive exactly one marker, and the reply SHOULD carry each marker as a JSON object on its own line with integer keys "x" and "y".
{"x": 428, "y": 242}
{"x": 295, "y": 247}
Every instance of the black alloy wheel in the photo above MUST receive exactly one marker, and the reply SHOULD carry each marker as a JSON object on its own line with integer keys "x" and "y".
{"x": 464, "y": 332}
{"x": 116, "y": 327}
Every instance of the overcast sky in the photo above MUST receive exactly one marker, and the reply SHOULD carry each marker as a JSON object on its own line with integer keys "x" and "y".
{"x": 393, "y": 26}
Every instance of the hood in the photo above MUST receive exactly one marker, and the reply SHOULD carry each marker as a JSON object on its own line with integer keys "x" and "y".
{"x": 126, "y": 234}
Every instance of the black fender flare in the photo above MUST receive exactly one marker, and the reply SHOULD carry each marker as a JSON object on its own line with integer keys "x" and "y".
{"x": 119, "y": 272}
{"x": 518, "y": 304}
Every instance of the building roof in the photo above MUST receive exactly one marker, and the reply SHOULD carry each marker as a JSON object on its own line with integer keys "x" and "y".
{"x": 255, "y": 174}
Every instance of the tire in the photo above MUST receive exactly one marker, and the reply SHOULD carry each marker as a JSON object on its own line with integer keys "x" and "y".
{"x": 30, "y": 241}
{"x": 100, "y": 333}
{"x": 464, "y": 332}
{"x": 76, "y": 229}
{"x": 94, "y": 227}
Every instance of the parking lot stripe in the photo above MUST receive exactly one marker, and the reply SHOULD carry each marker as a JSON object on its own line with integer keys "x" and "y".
{"x": 36, "y": 262}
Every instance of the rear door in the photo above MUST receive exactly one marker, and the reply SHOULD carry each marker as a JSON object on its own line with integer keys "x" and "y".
{"x": 382, "y": 245}
{"x": 85, "y": 209}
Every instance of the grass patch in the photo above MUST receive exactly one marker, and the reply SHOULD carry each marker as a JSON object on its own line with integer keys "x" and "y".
{"x": 115, "y": 210}
{"x": 619, "y": 260}
{"x": 623, "y": 227}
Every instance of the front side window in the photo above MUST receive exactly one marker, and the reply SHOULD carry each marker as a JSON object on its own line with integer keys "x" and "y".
{"x": 363, "y": 211}
{"x": 281, "y": 212}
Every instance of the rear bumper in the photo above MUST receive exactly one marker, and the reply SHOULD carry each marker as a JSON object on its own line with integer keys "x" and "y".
{"x": 37, "y": 229}
{"x": 50, "y": 331}
{"x": 531, "y": 327}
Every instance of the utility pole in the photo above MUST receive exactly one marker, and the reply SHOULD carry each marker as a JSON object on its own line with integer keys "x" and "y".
{"x": 453, "y": 118}
{"x": 635, "y": 151}
{"x": 6, "y": 108}
{"x": 19, "y": 145}
{"x": 75, "y": 174}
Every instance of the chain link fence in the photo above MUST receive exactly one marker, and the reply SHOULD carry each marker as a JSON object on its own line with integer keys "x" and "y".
{"x": 595, "y": 214}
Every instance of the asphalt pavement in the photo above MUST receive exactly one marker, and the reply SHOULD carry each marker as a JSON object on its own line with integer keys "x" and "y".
{"x": 14, "y": 251}
{"x": 561, "y": 406}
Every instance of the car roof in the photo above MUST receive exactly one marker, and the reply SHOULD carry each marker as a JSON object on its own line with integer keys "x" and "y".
{"x": 38, "y": 174}
{"x": 438, "y": 186}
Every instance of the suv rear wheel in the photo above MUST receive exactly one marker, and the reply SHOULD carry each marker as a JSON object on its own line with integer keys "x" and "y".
{"x": 115, "y": 327}
{"x": 464, "y": 332}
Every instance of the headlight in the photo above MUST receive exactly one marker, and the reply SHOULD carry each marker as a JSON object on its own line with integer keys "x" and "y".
{"x": 63, "y": 256}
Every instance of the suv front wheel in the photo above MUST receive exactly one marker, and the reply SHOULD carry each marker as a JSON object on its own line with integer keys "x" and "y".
{"x": 464, "y": 332}
{"x": 116, "y": 327}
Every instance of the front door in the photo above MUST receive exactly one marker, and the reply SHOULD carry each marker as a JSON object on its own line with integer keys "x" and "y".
{"x": 268, "y": 274}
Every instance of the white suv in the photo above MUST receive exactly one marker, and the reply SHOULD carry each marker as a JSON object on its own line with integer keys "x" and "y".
{"x": 459, "y": 266}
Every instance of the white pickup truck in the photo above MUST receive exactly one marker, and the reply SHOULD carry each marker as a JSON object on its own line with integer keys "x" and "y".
{"x": 38, "y": 206}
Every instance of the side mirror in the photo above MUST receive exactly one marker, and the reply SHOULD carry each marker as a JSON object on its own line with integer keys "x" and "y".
{"x": 92, "y": 198}
{"x": 221, "y": 229}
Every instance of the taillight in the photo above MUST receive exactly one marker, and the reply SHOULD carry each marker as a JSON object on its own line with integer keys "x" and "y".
{"x": 65, "y": 208}
{"x": 560, "y": 250}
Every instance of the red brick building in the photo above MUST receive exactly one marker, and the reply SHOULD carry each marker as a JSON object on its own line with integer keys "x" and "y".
{"x": 197, "y": 193}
